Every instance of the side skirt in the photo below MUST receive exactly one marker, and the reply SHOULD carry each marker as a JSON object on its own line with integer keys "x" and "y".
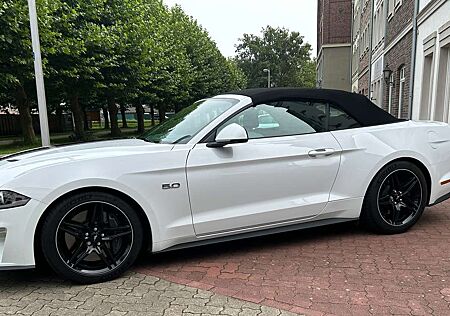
{"x": 13, "y": 267}
{"x": 441, "y": 199}
{"x": 259, "y": 233}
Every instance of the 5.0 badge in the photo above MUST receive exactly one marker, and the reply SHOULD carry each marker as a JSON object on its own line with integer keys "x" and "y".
{"x": 175, "y": 185}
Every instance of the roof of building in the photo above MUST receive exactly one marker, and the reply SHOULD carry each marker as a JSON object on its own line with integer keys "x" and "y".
{"x": 357, "y": 105}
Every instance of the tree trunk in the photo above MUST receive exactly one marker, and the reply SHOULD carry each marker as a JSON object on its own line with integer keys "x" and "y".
{"x": 85, "y": 120}
{"x": 162, "y": 113}
{"x": 106, "y": 117}
{"x": 112, "y": 109}
{"x": 140, "y": 118}
{"x": 59, "y": 120}
{"x": 78, "y": 117}
{"x": 152, "y": 114}
{"x": 26, "y": 122}
{"x": 124, "y": 116}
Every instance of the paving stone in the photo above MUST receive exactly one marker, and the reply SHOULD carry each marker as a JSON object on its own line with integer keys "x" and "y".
{"x": 160, "y": 298}
{"x": 339, "y": 270}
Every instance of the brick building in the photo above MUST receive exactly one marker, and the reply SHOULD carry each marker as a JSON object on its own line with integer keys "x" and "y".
{"x": 364, "y": 46}
{"x": 334, "y": 44}
{"x": 378, "y": 21}
{"x": 356, "y": 35}
{"x": 398, "y": 57}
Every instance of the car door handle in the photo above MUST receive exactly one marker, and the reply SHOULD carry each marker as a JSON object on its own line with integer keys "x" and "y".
{"x": 321, "y": 152}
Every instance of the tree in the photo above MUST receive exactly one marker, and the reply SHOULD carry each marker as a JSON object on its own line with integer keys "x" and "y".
{"x": 16, "y": 61}
{"x": 281, "y": 51}
{"x": 110, "y": 55}
{"x": 72, "y": 67}
{"x": 16, "y": 58}
{"x": 235, "y": 78}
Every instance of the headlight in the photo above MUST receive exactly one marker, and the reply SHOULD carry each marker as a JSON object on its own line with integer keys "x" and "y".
{"x": 9, "y": 199}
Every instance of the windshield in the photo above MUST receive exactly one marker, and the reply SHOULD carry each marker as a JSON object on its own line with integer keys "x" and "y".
{"x": 184, "y": 125}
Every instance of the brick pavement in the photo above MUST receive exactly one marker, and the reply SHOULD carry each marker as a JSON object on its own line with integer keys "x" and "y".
{"x": 340, "y": 270}
{"x": 337, "y": 270}
{"x": 30, "y": 293}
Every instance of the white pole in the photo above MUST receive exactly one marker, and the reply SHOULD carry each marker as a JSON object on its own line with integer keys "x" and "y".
{"x": 42, "y": 105}
{"x": 268, "y": 77}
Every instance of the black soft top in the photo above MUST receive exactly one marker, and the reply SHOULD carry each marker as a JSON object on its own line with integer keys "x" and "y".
{"x": 356, "y": 105}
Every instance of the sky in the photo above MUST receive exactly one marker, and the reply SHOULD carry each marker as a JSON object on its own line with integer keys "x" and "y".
{"x": 227, "y": 20}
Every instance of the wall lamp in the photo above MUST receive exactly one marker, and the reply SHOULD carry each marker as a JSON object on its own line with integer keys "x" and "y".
{"x": 387, "y": 74}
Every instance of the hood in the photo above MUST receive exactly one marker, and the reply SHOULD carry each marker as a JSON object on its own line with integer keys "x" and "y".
{"x": 16, "y": 164}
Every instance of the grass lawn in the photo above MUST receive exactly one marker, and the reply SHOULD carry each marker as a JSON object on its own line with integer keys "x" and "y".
{"x": 59, "y": 139}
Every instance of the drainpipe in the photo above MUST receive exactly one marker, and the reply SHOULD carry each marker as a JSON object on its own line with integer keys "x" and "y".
{"x": 351, "y": 47}
{"x": 386, "y": 12}
{"x": 413, "y": 59}
{"x": 370, "y": 49}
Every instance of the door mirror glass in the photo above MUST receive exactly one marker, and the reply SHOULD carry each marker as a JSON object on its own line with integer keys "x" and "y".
{"x": 231, "y": 134}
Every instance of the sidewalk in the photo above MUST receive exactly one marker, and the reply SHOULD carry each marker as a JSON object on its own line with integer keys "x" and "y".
{"x": 26, "y": 293}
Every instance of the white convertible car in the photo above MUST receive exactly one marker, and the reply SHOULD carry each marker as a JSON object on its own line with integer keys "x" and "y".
{"x": 237, "y": 165}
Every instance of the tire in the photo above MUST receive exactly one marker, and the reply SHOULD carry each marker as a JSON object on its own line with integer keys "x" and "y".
{"x": 91, "y": 237}
{"x": 395, "y": 199}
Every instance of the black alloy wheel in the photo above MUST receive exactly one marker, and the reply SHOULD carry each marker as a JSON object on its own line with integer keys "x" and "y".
{"x": 91, "y": 237}
{"x": 395, "y": 199}
{"x": 94, "y": 237}
{"x": 400, "y": 197}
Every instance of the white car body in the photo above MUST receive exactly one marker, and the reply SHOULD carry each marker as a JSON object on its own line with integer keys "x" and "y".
{"x": 222, "y": 192}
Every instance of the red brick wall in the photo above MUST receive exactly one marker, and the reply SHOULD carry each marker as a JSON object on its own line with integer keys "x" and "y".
{"x": 399, "y": 20}
{"x": 334, "y": 22}
{"x": 363, "y": 84}
{"x": 398, "y": 56}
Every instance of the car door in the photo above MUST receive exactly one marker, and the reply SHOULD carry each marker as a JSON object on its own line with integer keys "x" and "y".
{"x": 283, "y": 174}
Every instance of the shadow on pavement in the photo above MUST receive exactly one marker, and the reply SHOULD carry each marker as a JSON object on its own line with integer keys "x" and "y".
{"x": 263, "y": 243}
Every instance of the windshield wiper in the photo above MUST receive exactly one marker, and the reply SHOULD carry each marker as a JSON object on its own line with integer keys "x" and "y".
{"x": 181, "y": 139}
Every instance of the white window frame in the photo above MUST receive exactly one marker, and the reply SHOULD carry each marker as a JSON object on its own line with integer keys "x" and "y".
{"x": 391, "y": 90}
{"x": 401, "y": 87}
{"x": 447, "y": 94}
{"x": 391, "y": 9}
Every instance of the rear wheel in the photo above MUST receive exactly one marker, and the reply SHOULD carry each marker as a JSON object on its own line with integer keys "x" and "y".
{"x": 91, "y": 237}
{"x": 396, "y": 198}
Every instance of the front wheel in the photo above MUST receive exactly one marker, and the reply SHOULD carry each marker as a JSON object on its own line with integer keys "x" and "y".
{"x": 91, "y": 237}
{"x": 396, "y": 198}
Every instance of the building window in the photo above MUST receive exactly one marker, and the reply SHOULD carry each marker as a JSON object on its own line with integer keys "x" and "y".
{"x": 401, "y": 90}
{"x": 397, "y": 4}
{"x": 378, "y": 25}
{"x": 391, "y": 88}
{"x": 390, "y": 8}
{"x": 443, "y": 86}
{"x": 427, "y": 84}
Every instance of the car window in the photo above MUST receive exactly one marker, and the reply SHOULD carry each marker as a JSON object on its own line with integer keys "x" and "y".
{"x": 339, "y": 120}
{"x": 184, "y": 125}
{"x": 281, "y": 119}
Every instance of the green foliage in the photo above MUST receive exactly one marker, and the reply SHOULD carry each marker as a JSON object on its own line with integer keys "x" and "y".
{"x": 16, "y": 58}
{"x": 129, "y": 51}
{"x": 281, "y": 51}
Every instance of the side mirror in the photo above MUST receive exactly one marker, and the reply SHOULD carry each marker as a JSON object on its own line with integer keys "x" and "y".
{"x": 231, "y": 134}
